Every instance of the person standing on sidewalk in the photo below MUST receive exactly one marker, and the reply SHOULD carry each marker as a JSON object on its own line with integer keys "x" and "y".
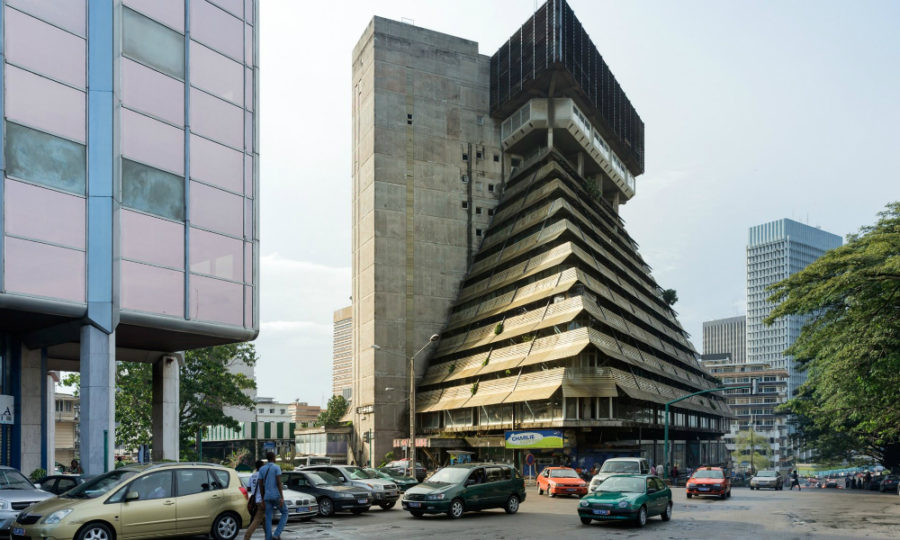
{"x": 273, "y": 496}
{"x": 257, "y": 496}
{"x": 795, "y": 480}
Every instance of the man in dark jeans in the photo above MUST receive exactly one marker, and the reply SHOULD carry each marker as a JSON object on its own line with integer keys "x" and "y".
{"x": 273, "y": 496}
{"x": 795, "y": 480}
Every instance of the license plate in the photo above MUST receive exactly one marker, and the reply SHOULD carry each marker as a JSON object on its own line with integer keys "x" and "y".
{"x": 302, "y": 509}
{"x": 18, "y": 531}
{"x": 601, "y": 512}
{"x": 703, "y": 489}
{"x": 570, "y": 489}
{"x": 362, "y": 501}
{"x": 414, "y": 504}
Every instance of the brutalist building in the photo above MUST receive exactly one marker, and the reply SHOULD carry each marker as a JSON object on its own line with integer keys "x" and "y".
{"x": 485, "y": 207}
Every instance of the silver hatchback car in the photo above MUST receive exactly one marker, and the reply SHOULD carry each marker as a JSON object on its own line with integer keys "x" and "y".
{"x": 16, "y": 494}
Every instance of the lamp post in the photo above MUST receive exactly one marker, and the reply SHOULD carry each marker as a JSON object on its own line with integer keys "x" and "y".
{"x": 411, "y": 454}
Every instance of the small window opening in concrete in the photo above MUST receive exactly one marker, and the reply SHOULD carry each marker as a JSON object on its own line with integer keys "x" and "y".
{"x": 465, "y": 204}
{"x": 478, "y": 210}
{"x": 478, "y": 232}
{"x": 491, "y": 188}
{"x": 465, "y": 156}
{"x": 490, "y": 211}
{"x": 496, "y": 157}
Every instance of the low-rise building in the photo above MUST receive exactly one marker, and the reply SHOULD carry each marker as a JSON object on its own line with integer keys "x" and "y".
{"x": 304, "y": 414}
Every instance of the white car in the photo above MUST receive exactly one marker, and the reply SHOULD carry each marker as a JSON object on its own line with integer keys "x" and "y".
{"x": 619, "y": 465}
{"x": 300, "y": 505}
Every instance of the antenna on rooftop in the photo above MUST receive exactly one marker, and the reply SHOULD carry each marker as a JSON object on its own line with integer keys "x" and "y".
{"x": 407, "y": 20}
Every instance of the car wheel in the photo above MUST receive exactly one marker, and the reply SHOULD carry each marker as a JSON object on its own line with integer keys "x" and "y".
{"x": 642, "y": 516}
{"x": 512, "y": 504}
{"x": 387, "y": 506}
{"x": 456, "y": 509}
{"x": 586, "y": 521}
{"x": 416, "y": 513}
{"x": 729, "y": 493}
{"x": 689, "y": 495}
{"x": 667, "y": 514}
{"x": 226, "y": 526}
{"x": 551, "y": 494}
{"x": 95, "y": 531}
{"x": 540, "y": 491}
{"x": 326, "y": 507}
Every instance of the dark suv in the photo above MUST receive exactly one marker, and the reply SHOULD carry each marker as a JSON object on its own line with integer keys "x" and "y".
{"x": 471, "y": 486}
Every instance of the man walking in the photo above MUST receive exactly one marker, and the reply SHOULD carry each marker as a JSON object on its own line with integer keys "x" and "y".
{"x": 795, "y": 480}
{"x": 256, "y": 495}
{"x": 273, "y": 496}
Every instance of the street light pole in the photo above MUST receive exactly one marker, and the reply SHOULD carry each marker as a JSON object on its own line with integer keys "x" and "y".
{"x": 411, "y": 454}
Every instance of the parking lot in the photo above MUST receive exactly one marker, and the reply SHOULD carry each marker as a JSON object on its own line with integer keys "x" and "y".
{"x": 811, "y": 513}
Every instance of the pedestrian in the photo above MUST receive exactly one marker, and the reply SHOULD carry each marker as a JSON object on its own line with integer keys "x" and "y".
{"x": 653, "y": 470}
{"x": 866, "y": 480}
{"x": 272, "y": 496}
{"x": 847, "y": 480}
{"x": 795, "y": 480}
{"x": 594, "y": 470}
{"x": 255, "y": 495}
{"x": 76, "y": 467}
{"x": 675, "y": 474}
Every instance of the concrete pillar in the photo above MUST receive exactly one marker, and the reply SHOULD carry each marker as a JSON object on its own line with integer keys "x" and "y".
{"x": 165, "y": 418}
{"x": 50, "y": 425}
{"x": 31, "y": 411}
{"x": 98, "y": 380}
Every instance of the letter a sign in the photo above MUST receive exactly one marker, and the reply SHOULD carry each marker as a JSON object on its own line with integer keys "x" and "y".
{"x": 7, "y": 404}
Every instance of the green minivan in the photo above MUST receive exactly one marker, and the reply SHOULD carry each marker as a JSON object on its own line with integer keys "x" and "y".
{"x": 470, "y": 486}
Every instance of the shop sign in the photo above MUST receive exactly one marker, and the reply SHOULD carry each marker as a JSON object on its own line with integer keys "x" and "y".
{"x": 421, "y": 442}
{"x": 536, "y": 438}
{"x": 7, "y": 409}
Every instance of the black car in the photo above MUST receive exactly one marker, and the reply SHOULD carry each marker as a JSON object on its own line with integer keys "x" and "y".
{"x": 329, "y": 492}
{"x": 400, "y": 467}
{"x": 890, "y": 483}
{"x": 59, "y": 483}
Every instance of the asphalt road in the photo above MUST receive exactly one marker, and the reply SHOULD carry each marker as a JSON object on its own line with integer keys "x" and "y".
{"x": 811, "y": 513}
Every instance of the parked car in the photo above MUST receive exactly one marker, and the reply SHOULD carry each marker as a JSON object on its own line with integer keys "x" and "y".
{"x": 18, "y": 493}
{"x": 627, "y": 497}
{"x": 767, "y": 480}
{"x": 470, "y": 486}
{"x": 403, "y": 482}
{"x": 143, "y": 501}
{"x": 875, "y": 483}
{"x": 560, "y": 481}
{"x": 707, "y": 481}
{"x": 621, "y": 465}
{"x": 59, "y": 483}
{"x": 331, "y": 494}
{"x": 300, "y": 505}
{"x": 401, "y": 466}
{"x": 385, "y": 492}
{"x": 891, "y": 482}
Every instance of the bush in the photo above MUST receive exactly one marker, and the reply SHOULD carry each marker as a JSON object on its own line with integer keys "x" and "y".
{"x": 37, "y": 474}
{"x": 474, "y": 387}
{"x": 498, "y": 329}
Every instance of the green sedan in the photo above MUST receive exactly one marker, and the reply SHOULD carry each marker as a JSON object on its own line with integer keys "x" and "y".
{"x": 403, "y": 482}
{"x": 627, "y": 497}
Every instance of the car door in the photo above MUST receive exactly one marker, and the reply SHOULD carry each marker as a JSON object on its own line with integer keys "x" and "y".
{"x": 197, "y": 501}
{"x": 656, "y": 498}
{"x": 152, "y": 514}
{"x": 477, "y": 492}
{"x": 543, "y": 480}
{"x": 496, "y": 492}
{"x": 64, "y": 484}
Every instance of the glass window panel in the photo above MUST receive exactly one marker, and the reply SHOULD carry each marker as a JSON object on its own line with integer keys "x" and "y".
{"x": 215, "y": 209}
{"x": 248, "y": 218}
{"x": 43, "y": 48}
{"x": 248, "y": 10}
{"x": 150, "y": 91}
{"x": 44, "y": 214}
{"x": 248, "y": 132}
{"x": 248, "y": 88}
{"x": 152, "y": 190}
{"x": 153, "y": 289}
{"x": 44, "y": 270}
{"x": 168, "y": 12}
{"x": 217, "y": 28}
{"x": 216, "y": 73}
{"x": 217, "y": 300}
{"x": 235, "y": 7}
{"x": 248, "y": 307}
{"x": 216, "y": 119}
{"x": 152, "y": 142}
{"x": 153, "y": 44}
{"x": 216, "y": 255}
{"x": 44, "y": 104}
{"x": 153, "y": 240}
{"x": 43, "y": 158}
{"x": 68, "y": 14}
{"x": 248, "y": 175}
{"x": 248, "y": 262}
{"x": 248, "y": 45}
{"x": 216, "y": 164}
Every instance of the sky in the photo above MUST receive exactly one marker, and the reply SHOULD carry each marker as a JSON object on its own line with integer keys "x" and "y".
{"x": 754, "y": 111}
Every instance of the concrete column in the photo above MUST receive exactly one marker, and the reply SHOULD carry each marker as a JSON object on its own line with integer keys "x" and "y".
{"x": 31, "y": 411}
{"x": 50, "y": 424}
{"x": 165, "y": 417}
{"x": 98, "y": 380}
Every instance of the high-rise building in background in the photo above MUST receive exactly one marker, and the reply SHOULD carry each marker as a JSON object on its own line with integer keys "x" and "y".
{"x": 486, "y": 195}
{"x": 342, "y": 353}
{"x": 726, "y": 336}
{"x": 129, "y": 230}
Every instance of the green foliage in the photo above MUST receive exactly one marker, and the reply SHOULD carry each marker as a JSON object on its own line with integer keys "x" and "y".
{"x": 331, "y": 416}
{"x": 753, "y": 448}
{"x": 498, "y": 329}
{"x": 487, "y": 359}
{"x": 508, "y": 372}
{"x": 450, "y": 368}
{"x": 528, "y": 337}
{"x": 474, "y": 387}
{"x": 37, "y": 474}
{"x": 123, "y": 463}
{"x": 850, "y": 348}
{"x": 669, "y": 296}
{"x": 389, "y": 457}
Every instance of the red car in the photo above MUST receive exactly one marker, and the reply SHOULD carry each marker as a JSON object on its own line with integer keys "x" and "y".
{"x": 561, "y": 481}
{"x": 708, "y": 481}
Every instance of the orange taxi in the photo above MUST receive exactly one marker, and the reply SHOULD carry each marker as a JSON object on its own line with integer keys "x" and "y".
{"x": 708, "y": 481}
{"x": 561, "y": 481}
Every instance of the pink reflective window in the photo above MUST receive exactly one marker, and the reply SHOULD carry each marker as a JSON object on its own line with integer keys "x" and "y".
{"x": 168, "y": 12}
{"x": 248, "y": 45}
{"x": 151, "y": 239}
{"x": 248, "y": 218}
{"x": 44, "y": 214}
{"x": 153, "y": 289}
{"x": 248, "y": 175}
{"x": 216, "y": 73}
{"x": 43, "y": 48}
{"x": 248, "y": 307}
{"x": 248, "y": 132}
{"x": 216, "y": 164}
{"x": 44, "y": 270}
{"x": 149, "y": 91}
{"x": 217, "y": 28}
{"x": 152, "y": 142}
{"x": 43, "y": 104}
{"x": 67, "y": 14}
{"x": 235, "y": 7}
{"x": 216, "y": 119}
{"x": 215, "y": 209}
{"x": 248, "y": 88}
{"x": 248, "y": 10}
{"x": 216, "y": 255}
{"x": 216, "y": 300}
{"x": 248, "y": 262}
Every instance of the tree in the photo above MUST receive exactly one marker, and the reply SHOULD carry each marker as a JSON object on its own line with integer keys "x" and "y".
{"x": 752, "y": 448}
{"x": 331, "y": 416}
{"x": 670, "y": 296}
{"x": 850, "y": 348}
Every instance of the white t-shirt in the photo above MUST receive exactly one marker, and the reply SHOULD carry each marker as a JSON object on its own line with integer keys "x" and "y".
{"x": 254, "y": 488}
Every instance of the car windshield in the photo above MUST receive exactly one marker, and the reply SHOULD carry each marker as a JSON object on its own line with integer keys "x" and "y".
{"x": 563, "y": 473}
{"x": 358, "y": 474}
{"x": 12, "y": 479}
{"x": 100, "y": 485}
{"x": 622, "y": 484}
{"x": 374, "y": 473}
{"x": 319, "y": 478}
{"x": 402, "y": 464}
{"x": 620, "y": 467}
{"x": 709, "y": 474}
{"x": 766, "y": 474}
{"x": 449, "y": 475}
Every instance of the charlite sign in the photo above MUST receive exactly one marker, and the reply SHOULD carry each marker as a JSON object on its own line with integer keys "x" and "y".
{"x": 536, "y": 438}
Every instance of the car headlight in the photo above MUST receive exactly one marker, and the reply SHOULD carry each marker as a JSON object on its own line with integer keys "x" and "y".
{"x": 4, "y": 504}
{"x": 623, "y": 504}
{"x": 57, "y": 516}
{"x": 346, "y": 496}
{"x": 584, "y": 503}
{"x": 436, "y": 497}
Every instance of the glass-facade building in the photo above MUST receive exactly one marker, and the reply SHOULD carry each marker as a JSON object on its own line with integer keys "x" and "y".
{"x": 129, "y": 194}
